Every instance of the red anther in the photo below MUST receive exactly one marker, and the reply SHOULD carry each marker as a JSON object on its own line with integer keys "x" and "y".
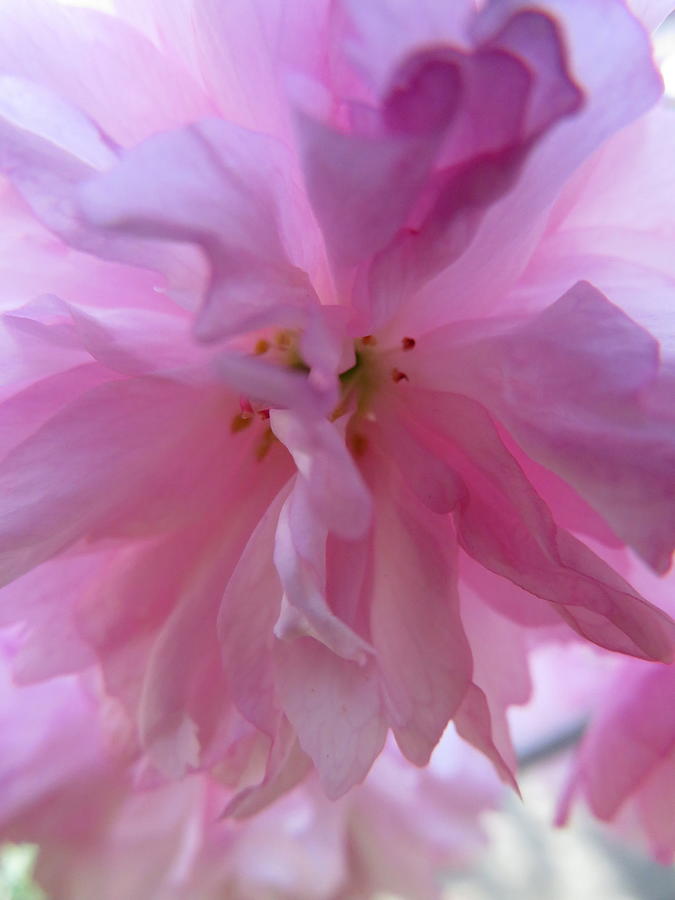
{"x": 369, "y": 340}
{"x": 264, "y": 414}
{"x": 408, "y": 343}
{"x": 397, "y": 376}
{"x": 262, "y": 346}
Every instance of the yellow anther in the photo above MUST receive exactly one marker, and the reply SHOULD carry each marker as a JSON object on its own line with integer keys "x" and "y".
{"x": 358, "y": 444}
{"x": 239, "y": 423}
{"x": 265, "y": 444}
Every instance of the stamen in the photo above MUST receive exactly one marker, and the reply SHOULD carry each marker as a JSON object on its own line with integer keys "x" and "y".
{"x": 283, "y": 340}
{"x": 265, "y": 444}
{"x": 358, "y": 444}
{"x": 264, "y": 414}
{"x": 239, "y": 423}
{"x": 408, "y": 343}
{"x": 397, "y": 376}
{"x": 261, "y": 347}
{"x": 369, "y": 340}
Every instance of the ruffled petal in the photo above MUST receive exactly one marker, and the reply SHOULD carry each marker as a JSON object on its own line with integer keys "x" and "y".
{"x": 427, "y": 140}
{"x": 52, "y": 498}
{"x": 632, "y": 735}
{"x": 506, "y": 527}
{"x": 287, "y": 764}
{"x": 611, "y": 59}
{"x": 214, "y": 185}
{"x": 126, "y": 341}
{"x": 246, "y": 629}
{"x": 47, "y": 150}
{"x": 300, "y": 559}
{"x": 578, "y": 388}
{"x": 416, "y": 630}
{"x": 500, "y": 680}
{"x": 652, "y": 12}
{"x": 335, "y": 489}
{"x": 114, "y": 74}
{"x": 336, "y": 709}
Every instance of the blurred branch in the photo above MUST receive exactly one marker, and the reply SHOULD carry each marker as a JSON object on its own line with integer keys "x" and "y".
{"x": 551, "y": 745}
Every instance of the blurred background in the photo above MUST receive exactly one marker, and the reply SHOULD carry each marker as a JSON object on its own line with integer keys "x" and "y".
{"x": 525, "y": 859}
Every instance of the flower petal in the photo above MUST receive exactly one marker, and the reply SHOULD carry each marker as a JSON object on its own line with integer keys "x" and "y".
{"x": 246, "y": 629}
{"x": 114, "y": 74}
{"x": 506, "y": 527}
{"x": 632, "y": 735}
{"x": 211, "y": 184}
{"x": 47, "y": 150}
{"x": 335, "y": 489}
{"x": 610, "y": 57}
{"x": 574, "y": 386}
{"x": 335, "y": 707}
{"x": 300, "y": 559}
{"x": 421, "y": 649}
{"x": 450, "y": 142}
{"x": 52, "y": 498}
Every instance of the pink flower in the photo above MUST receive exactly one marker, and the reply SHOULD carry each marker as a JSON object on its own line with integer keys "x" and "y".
{"x": 101, "y": 836}
{"x": 62, "y": 766}
{"x": 286, "y": 537}
{"x": 625, "y": 769}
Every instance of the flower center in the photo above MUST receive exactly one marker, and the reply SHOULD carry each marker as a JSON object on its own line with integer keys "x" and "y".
{"x": 358, "y": 386}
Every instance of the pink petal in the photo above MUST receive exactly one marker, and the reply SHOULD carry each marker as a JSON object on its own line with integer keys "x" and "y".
{"x": 441, "y": 105}
{"x": 37, "y": 263}
{"x": 272, "y": 387}
{"x": 335, "y": 490}
{"x": 474, "y": 723}
{"x": 630, "y": 738}
{"x": 655, "y": 809}
{"x": 217, "y": 43}
{"x": 48, "y": 149}
{"x": 217, "y": 189}
{"x": 479, "y": 280}
{"x": 300, "y": 559}
{"x": 335, "y": 707}
{"x": 246, "y": 630}
{"x": 431, "y": 479}
{"x": 114, "y": 75}
{"x": 287, "y": 765}
{"x": 26, "y": 409}
{"x": 348, "y": 180}
{"x": 182, "y": 691}
{"x": 49, "y": 736}
{"x": 573, "y": 386}
{"x": 422, "y": 652}
{"x": 500, "y": 680}
{"x": 505, "y": 526}
{"x": 652, "y": 12}
{"x": 128, "y": 341}
{"x": 383, "y": 33}
{"x": 44, "y": 602}
{"x": 131, "y": 485}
